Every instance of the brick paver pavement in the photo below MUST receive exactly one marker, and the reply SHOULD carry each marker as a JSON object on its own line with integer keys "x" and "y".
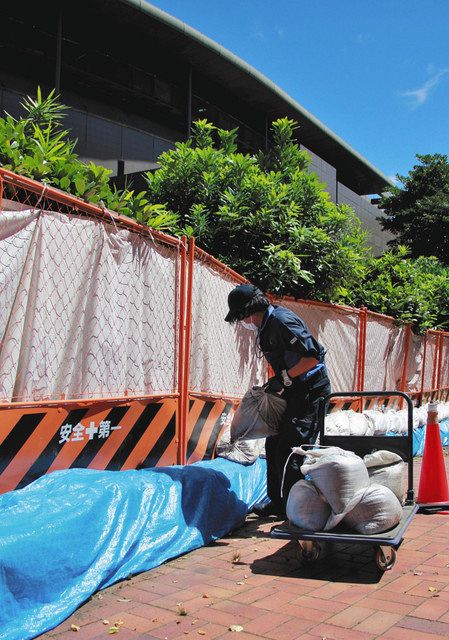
{"x": 249, "y": 586}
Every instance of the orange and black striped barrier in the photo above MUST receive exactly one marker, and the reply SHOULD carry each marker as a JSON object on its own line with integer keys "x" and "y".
{"x": 125, "y": 434}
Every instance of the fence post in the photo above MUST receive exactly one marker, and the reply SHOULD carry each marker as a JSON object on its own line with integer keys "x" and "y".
{"x": 1, "y": 192}
{"x": 423, "y": 369}
{"x": 361, "y": 350}
{"x": 435, "y": 362}
{"x": 403, "y": 383}
{"x": 440, "y": 359}
{"x": 181, "y": 334}
{"x": 188, "y": 332}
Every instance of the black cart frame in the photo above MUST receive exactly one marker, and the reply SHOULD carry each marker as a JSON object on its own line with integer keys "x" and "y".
{"x": 388, "y": 542}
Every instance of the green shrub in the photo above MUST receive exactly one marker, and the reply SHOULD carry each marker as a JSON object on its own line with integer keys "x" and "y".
{"x": 264, "y": 215}
{"x": 38, "y": 147}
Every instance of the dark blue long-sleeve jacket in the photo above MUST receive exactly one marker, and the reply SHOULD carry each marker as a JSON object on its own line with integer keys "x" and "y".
{"x": 284, "y": 339}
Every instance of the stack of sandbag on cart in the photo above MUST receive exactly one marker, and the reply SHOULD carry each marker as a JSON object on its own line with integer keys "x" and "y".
{"x": 377, "y": 422}
{"x": 365, "y": 494}
{"x": 257, "y": 416}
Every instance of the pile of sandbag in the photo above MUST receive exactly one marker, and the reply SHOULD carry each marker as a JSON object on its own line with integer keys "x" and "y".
{"x": 376, "y": 422}
{"x": 340, "y": 486}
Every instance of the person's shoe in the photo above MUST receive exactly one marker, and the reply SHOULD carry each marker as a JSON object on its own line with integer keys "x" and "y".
{"x": 266, "y": 509}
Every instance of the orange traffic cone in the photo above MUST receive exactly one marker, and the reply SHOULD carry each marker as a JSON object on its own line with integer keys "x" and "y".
{"x": 433, "y": 489}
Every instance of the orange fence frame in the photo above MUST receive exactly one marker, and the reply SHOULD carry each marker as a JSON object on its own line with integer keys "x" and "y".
{"x": 188, "y": 253}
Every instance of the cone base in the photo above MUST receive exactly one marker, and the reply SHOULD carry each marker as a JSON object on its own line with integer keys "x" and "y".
{"x": 433, "y": 504}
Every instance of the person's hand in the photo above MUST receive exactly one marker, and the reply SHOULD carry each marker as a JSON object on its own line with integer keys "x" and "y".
{"x": 278, "y": 382}
{"x": 274, "y": 385}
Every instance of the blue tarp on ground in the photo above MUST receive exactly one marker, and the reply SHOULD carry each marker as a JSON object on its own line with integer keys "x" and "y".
{"x": 73, "y": 532}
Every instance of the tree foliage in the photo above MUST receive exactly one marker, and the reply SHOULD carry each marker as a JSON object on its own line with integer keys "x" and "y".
{"x": 266, "y": 216}
{"x": 413, "y": 291}
{"x": 37, "y": 146}
{"x": 418, "y": 213}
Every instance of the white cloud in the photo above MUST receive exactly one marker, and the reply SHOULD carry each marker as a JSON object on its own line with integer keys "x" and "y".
{"x": 394, "y": 180}
{"x": 420, "y": 95}
{"x": 257, "y": 33}
{"x": 279, "y": 32}
{"x": 363, "y": 38}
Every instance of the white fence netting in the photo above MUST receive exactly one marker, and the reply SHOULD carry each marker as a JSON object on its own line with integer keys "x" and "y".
{"x": 88, "y": 310}
{"x": 414, "y": 364}
{"x": 444, "y": 377}
{"x": 336, "y": 329}
{"x": 430, "y": 361}
{"x": 224, "y": 358}
{"x": 91, "y": 310}
{"x": 385, "y": 349}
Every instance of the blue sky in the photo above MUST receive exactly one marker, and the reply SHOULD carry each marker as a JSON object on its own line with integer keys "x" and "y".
{"x": 376, "y": 72}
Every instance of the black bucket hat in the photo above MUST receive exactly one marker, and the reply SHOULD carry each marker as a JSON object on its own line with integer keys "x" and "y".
{"x": 240, "y": 302}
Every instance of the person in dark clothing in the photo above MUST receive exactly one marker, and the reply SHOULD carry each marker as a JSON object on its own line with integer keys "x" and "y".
{"x": 297, "y": 360}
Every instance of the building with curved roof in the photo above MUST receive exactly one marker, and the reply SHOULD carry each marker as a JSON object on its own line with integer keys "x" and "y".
{"x": 135, "y": 78}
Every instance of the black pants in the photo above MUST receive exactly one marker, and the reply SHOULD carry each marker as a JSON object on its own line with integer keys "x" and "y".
{"x": 299, "y": 426}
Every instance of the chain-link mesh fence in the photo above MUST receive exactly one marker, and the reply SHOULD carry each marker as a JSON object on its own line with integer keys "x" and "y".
{"x": 443, "y": 381}
{"x": 224, "y": 358}
{"x": 415, "y": 363}
{"x": 89, "y": 306}
{"x": 336, "y": 328}
{"x": 430, "y": 363}
{"x": 383, "y": 362}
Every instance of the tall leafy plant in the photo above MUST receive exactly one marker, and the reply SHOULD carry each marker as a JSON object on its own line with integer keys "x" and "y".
{"x": 36, "y": 145}
{"x": 413, "y": 291}
{"x": 265, "y": 215}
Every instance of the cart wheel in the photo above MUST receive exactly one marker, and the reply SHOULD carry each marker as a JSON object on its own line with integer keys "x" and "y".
{"x": 385, "y": 558}
{"x": 308, "y": 551}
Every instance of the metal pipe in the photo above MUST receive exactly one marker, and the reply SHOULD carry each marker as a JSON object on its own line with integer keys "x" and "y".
{"x": 83, "y": 402}
{"x": 190, "y": 261}
{"x": 206, "y": 257}
{"x": 181, "y": 422}
{"x": 440, "y": 359}
{"x": 85, "y": 207}
{"x": 435, "y": 362}
{"x": 361, "y": 347}
{"x": 408, "y": 337}
{"x": 423, "y": 369}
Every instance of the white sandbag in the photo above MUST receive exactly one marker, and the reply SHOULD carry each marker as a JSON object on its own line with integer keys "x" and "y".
{"x": 402, "y": 419}
{"x": 337, "y": 474}
{"x": 377, "y": 421}
{"x": 306, "y": 508}
{"x": 393, "y": 422}
{"x": 258, "y": 415}
{"x": 389, "y": 470}
{"x": 443, "y": 410}
{"x": 369, "y": 427}
{"x": 421, "y": 415}
{"x": 241, "y": 451}
{"x": 376, "y": 512}
{"x": 330, "y": 427}
{"x": 415, "y": 419}
{"x": 358, "y": 423}
{"x": 337, "y": 424}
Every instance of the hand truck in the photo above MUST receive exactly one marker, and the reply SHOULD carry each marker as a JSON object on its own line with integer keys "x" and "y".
{"x": 386, "y": 543}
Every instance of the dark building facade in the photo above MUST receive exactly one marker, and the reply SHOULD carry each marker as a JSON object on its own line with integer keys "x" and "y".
{"x": 135, "y": 78}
